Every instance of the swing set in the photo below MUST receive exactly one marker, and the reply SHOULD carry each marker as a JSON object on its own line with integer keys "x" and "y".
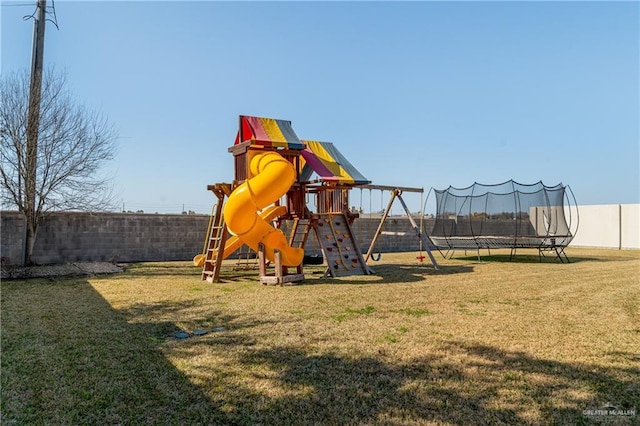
{"x": 396, "y": 194}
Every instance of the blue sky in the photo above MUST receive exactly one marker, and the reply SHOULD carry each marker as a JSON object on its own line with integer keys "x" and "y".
{"x": 423, "y": 94}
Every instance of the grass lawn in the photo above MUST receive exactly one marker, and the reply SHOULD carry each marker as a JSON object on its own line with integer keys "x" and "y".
{"x": 477, "y": 342}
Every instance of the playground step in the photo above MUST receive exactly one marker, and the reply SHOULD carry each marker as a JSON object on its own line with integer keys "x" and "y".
{"x": 339, "y": 246}
{"x": 215, "y": 238}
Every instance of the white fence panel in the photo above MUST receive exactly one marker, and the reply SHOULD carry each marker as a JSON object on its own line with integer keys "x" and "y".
{"x": 609, "y": 226}
{"x": 630, "y": 235}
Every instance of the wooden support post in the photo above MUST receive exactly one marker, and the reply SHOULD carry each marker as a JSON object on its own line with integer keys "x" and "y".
{"x": 261, "y": 261}
{"x": 278, "y": 265}
{"x": 397, "y": 193}
{"x": 379, "y": 230}
{"x": 418, "y": 232}
{"x": 279, "y": 276}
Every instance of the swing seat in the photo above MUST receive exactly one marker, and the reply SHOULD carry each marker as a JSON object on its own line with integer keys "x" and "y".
{"x": 313, "y": 259}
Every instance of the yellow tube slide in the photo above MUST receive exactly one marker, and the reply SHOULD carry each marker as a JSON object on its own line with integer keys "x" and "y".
{"x": 234, "y": 243}
{"x": 272, "y": 178}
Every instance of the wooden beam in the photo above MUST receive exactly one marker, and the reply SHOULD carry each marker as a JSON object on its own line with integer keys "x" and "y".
{"x": 392, "y": 188}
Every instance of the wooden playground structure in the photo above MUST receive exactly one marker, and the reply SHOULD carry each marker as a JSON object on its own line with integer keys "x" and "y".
{"x": 271, "y": 165}
{"x": 331, "y": 224}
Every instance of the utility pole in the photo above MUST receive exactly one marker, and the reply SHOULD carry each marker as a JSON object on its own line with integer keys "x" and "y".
{"x": 33, "y": 121}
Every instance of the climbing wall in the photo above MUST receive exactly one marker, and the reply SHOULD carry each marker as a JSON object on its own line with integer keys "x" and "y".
{"x": 340, "y": 249}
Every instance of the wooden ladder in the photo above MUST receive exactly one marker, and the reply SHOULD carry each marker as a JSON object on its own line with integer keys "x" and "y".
{"x": 300, "y": 232}
{"x": 215, "y": 249}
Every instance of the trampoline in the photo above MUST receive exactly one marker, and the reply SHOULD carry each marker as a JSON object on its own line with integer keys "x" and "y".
{"x": 507, "y": 215}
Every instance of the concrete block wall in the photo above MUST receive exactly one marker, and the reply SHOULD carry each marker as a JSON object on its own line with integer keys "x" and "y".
{"x": 126, "y": 237}
{"x": 12, "y": 235}
{"x": 107, "y": 237}
{"x": 365, "y": 229}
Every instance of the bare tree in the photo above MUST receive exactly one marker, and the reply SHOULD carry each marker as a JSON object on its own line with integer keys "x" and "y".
{"x": 74, "y": 143}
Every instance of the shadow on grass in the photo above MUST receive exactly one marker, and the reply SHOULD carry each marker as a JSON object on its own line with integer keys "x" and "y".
{"x": 535, "y": 258}
{"x": 160, "y": 269}
{"x": 69, "y": 358}
{"x": 527, "y": 258}
{"x": 505, "y": 258}
{"x": 491, "y": 387}
{"x": 393, "y": 273}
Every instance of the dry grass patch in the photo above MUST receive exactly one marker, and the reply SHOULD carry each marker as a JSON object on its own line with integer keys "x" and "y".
{"x": 478, "y": 342}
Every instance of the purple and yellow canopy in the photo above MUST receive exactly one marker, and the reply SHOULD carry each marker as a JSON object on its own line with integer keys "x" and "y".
{"x": 329, "y": 164}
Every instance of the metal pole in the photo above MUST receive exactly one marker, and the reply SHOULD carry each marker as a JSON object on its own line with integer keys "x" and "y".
{"x": 35, "y": 91}
{"x": 619, "y": 226}
{"x": 33, "y": 118}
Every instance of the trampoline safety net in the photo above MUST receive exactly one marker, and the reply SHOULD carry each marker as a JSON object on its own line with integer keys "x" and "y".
{"x": 506, "y": 215}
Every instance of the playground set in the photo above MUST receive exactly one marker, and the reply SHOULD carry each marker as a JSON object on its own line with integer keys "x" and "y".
{"x": 272, "y": 163}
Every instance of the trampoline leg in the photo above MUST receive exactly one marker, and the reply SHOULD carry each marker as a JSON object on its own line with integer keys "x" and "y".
{"x": 561, "y": 253}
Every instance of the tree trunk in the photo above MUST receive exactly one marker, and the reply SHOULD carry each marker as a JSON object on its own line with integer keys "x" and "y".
{"x": 31, "y": 224}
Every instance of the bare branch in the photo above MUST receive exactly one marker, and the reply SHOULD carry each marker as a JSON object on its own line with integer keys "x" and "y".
{"x": 74, "y": 143}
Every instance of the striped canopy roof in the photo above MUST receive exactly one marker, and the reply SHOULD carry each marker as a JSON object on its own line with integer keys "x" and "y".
{"x": 329, "y": 164}
{"x": 267, "y": 132}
